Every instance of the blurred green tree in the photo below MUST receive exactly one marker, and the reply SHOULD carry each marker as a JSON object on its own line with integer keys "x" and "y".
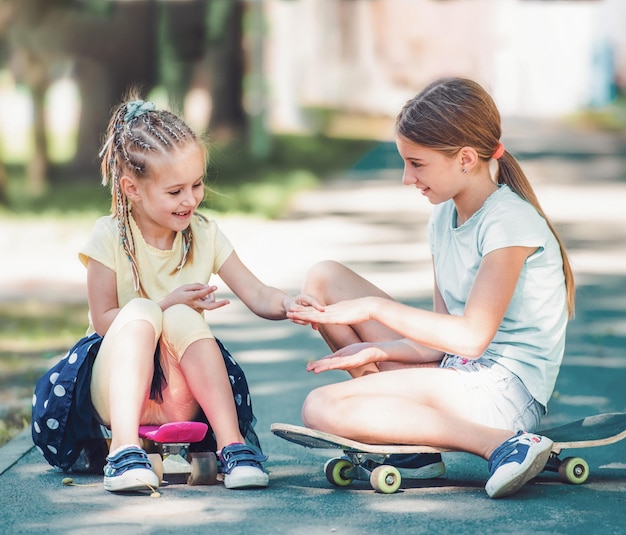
{"x": 106, "y": 47}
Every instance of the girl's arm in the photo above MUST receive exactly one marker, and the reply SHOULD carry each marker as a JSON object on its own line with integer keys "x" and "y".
{"x": 265, "y": 301}
{"x": 407, "y": 352}
{"x": 104, "y": 306}
{"x": 467, "y": 335}
{"x": 101, "y": 296}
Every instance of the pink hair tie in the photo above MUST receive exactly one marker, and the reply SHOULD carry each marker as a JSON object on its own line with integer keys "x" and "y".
{"x": 499, "y": 151}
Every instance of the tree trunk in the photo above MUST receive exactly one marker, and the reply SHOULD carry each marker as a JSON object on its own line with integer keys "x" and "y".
{"x": 226, "y": 68}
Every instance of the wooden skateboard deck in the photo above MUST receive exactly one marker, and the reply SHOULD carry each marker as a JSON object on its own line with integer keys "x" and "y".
{"x": 589, "y": 432}
{"x": 592, "y": 431}
{"x": 168, "y": 447}
{"x": 312, "y": 438}
{"x": 356, "y": 463}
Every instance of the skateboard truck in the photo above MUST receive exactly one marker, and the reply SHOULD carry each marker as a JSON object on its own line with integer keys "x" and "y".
{"x": 168, "y": 447}
{"x": 341, "y": 471}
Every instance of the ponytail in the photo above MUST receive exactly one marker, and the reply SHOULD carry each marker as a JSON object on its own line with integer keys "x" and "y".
{"x": 451, "y": 113}
{"x": 510, "y": 173}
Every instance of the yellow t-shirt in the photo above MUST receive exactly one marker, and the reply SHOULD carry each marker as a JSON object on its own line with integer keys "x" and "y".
{"x": 158, "y": 271}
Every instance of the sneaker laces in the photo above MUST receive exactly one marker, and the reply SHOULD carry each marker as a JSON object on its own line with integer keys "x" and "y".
{"x": 240, "y": 455}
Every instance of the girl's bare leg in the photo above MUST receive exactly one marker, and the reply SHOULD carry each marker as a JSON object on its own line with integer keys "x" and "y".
{"x": 123, "y": 369}
{"x": 423, "y": 406}
{"x": 198, "y": 375}
{"x": 205, "y": 372}
{"x": 132, "y": 365}
{"x": 332, "y": 282}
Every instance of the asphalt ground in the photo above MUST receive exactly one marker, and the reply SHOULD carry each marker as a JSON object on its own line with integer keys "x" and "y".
{"x": 368, "y": 220}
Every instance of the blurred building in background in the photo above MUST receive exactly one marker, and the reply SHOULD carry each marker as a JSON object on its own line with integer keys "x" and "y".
{"x": 537, "y": 57}
{"x": 248, "y": 69}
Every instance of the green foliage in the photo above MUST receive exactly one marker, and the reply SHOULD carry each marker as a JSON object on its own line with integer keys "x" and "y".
{"x": 610, "y": 118}
{"x": 268, "y": 197}
{"x": 68, "y": 197}
{"x": 237, "y": 182}
{"x": 31, "y": 335}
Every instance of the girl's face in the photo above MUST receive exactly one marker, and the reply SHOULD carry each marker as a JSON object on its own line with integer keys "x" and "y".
{"x": 437, "y": 176}
{"x": 171, "y": 193}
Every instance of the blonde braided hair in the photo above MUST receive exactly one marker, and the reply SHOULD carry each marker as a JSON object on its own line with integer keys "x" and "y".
{"x": 136, "y": 134}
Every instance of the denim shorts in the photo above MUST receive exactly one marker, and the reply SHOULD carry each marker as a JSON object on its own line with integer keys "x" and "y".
{"x": 496, "y": 397}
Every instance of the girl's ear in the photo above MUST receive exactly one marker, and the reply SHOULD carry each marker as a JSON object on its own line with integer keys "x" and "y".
{"x": 469, "y": 157}
{"x": 129, "y": 188}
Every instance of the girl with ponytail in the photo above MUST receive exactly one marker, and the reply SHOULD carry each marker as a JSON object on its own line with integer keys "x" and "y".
{"x": 476, "y": 373}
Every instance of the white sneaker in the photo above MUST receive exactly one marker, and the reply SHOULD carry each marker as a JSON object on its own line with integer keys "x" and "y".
{"x": 128, "y": 468}
{"x": 515, "y": 462}
{"x": 242, "y": 467}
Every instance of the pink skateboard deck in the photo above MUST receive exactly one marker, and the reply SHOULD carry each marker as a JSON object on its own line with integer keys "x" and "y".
{"x": 174, "y": 432}
{"x": 168, "y": 447}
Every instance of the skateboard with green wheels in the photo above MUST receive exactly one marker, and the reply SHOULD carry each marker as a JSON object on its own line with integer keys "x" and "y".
{"x": 354, "y": 464}
{"x": 589, "y": 432}
{"x": 592, "y": 431}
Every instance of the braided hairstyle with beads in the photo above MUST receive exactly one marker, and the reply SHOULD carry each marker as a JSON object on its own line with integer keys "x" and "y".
{"x": 452, "y": 113}
{"x": 136, "y": 136}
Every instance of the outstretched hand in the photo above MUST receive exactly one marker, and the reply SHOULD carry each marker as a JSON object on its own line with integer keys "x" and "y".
{"x": 301, "y": 302}
{"x": 348, "y": 358}
{"x": 343, "y": 313}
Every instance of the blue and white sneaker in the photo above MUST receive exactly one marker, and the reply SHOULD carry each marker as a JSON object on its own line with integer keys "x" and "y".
{"x": 128, "y": 468}
{"x": 242, "y": 468}
{"x": 515, "y": 462}
{"x": 414, "y": 465}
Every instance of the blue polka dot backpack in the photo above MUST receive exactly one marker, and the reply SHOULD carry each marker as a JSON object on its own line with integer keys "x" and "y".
{"x": 65, "y": 427}
{"x": 64, "y": 423}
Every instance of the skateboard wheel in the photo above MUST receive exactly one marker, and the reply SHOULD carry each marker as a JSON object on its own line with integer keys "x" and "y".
{"x": 157, "y": 465}
{"x": 574, "y": 470}
{"x": 335, "y": 470}
{"x": 203, "y": 469}
{"x": 385, "y": 479}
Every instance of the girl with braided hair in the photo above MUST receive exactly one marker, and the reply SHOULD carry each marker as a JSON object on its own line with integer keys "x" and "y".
{"x": 148, "y": 270}
{"x": 476, "y": 373}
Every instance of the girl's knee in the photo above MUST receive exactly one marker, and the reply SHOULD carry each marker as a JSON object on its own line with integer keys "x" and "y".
{"x": 315, "y": 408}
{"x": 320, "y": 275}
{"x": 183, "y": 317}
{"x": 140, "y": 309}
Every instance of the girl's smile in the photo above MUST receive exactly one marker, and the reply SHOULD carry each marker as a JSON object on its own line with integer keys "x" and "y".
{"x": 165, "y": 201}
{"x": 426, "y": 169}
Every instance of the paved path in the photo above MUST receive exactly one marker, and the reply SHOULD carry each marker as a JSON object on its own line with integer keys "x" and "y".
{"x": 377, "y": 226}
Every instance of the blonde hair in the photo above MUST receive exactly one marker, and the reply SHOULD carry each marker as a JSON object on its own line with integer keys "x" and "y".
{"x": 136, "y": 136}
{"x": 452, "y": 113}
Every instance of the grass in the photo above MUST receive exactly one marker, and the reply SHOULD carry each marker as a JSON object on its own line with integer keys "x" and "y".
{"x": 33, "y": 334}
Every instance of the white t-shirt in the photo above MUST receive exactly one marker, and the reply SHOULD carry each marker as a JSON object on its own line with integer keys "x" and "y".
{"x": 531, "y": 338}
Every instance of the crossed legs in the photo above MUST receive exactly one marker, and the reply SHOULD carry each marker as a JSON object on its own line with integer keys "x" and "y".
{"x": 424, "y": 405}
